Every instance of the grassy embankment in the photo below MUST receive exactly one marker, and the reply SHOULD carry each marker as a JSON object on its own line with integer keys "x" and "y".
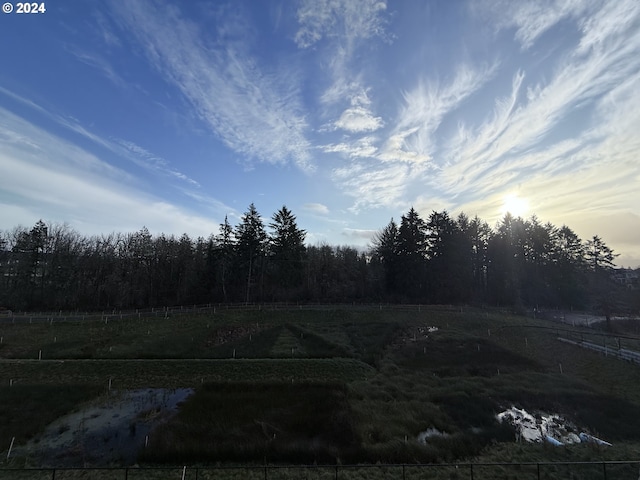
{"x": 327, "y": 386}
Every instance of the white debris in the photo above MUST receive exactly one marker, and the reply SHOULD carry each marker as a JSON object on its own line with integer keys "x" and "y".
{"x": 526, "y": 425}
{"x": 572, "y": 438}
{"x": 553, "y": 441}
{"x": 544, "y": 427}
{"x": 585, "y": 437}
{"x": 430, "y": 433}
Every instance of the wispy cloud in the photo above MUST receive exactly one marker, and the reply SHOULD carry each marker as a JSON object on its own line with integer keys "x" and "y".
{"x": 359, "y": 233}
{"x": 338, "y": 28}
{"x": 467, "y": 152}
{"x": 255, "y": 113}
{"x": 344, "y": 19}
{"x": 22, "y": 138}
{"x": 516, "y": 138}
{"x": 53, "y": 179}
{"x": 132, "y": 152}
{"x": 425, "y": 106}
{"x": 383, "y": 186}
{"x": 316, "y": 208}
{"x": 359, "y": 117}
{"x": 218, "y": 208}
{"x": 99, "y": 63}
{"x": 531, "y": 142}
{"x": 358, "y": 148}
{"x": 530, "y": 18}
{"x": 123, "y": 148}
{"x": 105, "y": 29}
{"x": 408, "y": 145}
{"x": 153, "y": 162}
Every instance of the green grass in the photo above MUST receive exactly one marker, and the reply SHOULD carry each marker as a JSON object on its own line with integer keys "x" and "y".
{"x": 297, "y": 423}
{"x": 251, "y": 334}
{"x": 180, "y": 373}
{"x": 394, "y": 379}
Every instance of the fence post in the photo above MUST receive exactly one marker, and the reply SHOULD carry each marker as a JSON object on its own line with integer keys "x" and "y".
{"x": 265, "y": 472}
{"x": 604, "y": 470}
{"x": 336, "y": 472}
{"x": 538, "y": 471}
{"x": 403, "y": 477}
{"x": 471, "y": 470}
{"x": 53, "y": 474}
{"x": 126, "y": 473}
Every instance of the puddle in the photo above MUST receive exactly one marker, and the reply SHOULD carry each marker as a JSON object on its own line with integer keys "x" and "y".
{"x": 551, "y": 428}
{"x": 105, "y": 432}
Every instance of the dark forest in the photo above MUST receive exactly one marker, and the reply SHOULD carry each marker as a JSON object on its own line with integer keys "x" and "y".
{"x": 521, "y": 263}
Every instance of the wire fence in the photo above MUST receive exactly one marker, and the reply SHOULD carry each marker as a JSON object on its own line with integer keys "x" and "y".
{"x": 209, "y": 308}
{"x": 606, "y": 470}
{"x": 574, "y": 319}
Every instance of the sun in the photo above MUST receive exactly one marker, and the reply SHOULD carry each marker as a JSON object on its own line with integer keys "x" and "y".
{"x": 515, "y": 205}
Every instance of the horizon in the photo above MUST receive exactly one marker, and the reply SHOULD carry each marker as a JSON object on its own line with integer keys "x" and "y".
{"x": 119, "y": 115}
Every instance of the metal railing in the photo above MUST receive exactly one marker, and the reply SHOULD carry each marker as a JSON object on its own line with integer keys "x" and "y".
{"x": 606, "y": 470}
{"x": 620, "y": 353}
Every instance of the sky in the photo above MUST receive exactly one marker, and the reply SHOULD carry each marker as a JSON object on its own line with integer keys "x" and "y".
{"x": 119, "y": 114}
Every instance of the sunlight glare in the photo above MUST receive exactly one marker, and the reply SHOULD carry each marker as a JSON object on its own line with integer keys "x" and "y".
{"x": 515, "y": 205}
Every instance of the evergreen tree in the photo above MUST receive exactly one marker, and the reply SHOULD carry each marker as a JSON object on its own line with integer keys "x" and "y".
{"x": 286, "y": 245}
{"x": 412, "y": 251}
{"x": 186, "y": 269}
{"x": 29, "y": 265}
{"x": 476, "y": 234}
{"x": 445, "y": 265}
{"x": 537, "y": 262}
{"x": 384, "y": 253}
{"x": 568, "y": 261}
{"x": 251, "y": 242}
{"x": 522, "y": 263}
{"x": 139, "y": 259}
{"x": 598, "y": 255}
{"x": 5, "y": 270}
{"x": 506, "y": 255}
{"x": 604, "y": 293}
{"x": 225, "y": 251}
{"x": 321, "y": 272}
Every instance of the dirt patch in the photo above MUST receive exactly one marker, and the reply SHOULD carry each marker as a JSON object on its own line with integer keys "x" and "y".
{"x": 231, "y": 333}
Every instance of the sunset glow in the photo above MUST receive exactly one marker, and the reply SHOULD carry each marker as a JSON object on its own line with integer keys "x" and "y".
{"x": 515, "y": 205}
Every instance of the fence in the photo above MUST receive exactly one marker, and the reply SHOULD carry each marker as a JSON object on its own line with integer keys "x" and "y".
{"x": 615, "y": 470}
{"x": 211, "y": 308}
{"x": 621, "y": 353}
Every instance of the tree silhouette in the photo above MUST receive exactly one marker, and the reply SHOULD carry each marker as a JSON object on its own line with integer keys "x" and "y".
{"x": 225, "y": 250}
{"x": 251, "y": 243}
{"x": 287, "y": 249}
{"x": 598, "y": 255}
{"x": 412, "y": 252}
{"x": 384, "y": 253}
{"x": 599, "y": 258}
{"x": 522, "y": 263}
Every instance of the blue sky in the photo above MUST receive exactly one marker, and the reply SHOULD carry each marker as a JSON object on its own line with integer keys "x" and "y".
{"x": 118, "y": 114}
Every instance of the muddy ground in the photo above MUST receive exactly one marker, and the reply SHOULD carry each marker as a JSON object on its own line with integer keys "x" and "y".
{"x": 109, "y": 431}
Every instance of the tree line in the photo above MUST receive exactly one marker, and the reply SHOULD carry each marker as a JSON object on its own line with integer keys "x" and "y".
{"x": 439, "y": 259}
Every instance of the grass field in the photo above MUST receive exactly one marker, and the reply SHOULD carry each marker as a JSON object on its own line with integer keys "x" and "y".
{"x": 326, "y": 386}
